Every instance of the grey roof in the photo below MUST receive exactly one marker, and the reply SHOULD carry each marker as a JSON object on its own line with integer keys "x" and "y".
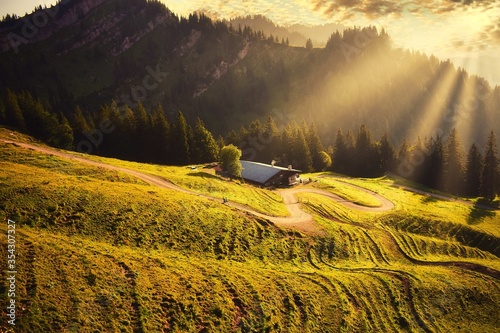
{"x": 260, "y": 172}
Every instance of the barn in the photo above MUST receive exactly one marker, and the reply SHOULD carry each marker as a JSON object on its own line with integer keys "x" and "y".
{"x": 269, "y": 175}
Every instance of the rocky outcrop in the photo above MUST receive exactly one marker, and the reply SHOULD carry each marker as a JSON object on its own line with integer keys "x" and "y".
{"x": 222, "y": 69}
{"x": 129, "y": 41}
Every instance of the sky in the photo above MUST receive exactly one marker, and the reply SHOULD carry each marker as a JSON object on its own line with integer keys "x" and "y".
{"x": 465, "y": 31}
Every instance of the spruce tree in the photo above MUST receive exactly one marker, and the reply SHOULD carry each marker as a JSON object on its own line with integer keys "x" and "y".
{"x": 287, "y": 144}
{"x": 40, "y": 121}
{"x": 435, "y": 176}
{"x": 453, "y": 167}
{"x": 365, "y": 159}
{"x": 473, "y": 172}
{"x": 316, "y": 148}
{"x": 302, "y": 155}
{"x": 489, "y": 177}
{"x": 271, "y": 138}
{"x": 64, "y": 137}
{"x": 105, "y": 146}
{"x": 80, "y": 125}
{"x": 2, "y": 112}
{"x": 204, "y": 147}
{"x": 180, "y": 141}
{"x": 387, "y": 155}
{"x": 403, "y": 158}
{"x": 161, "y": 129}
{"x": 340, "y": 160}
{"x": 13, "y": 114}
{"x": 144, "y": 140}
{"x": 419, "y": 160}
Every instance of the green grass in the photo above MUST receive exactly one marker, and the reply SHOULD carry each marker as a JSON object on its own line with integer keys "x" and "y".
{"x": 86, "y": 286}
{"x": 202, "y": 180}
{"x": 426, "y": 207}
{"x": 343, "y": 190}
{"x": 100, "y": 250}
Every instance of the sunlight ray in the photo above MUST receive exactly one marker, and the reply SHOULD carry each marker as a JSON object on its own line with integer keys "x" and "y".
{"x": 430, "y": 112}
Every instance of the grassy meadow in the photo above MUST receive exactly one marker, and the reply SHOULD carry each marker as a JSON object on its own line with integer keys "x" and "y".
{"x": 102, "y": 251}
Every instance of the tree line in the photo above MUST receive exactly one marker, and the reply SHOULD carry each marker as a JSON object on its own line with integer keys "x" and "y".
{"x": 437, "y": 162}
{"x": 127, "y": 133}
{"x": 149, "y": 136}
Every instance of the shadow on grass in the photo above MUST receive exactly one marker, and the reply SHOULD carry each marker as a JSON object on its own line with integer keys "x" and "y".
{"x": 477, "y": 215}
{"x": 203, "y": 175}
{"x": 495, "y": 204}
{"x": 428, "y": 199}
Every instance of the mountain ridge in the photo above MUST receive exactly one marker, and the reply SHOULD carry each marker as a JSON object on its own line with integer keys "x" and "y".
{"x": 91, "y": 63}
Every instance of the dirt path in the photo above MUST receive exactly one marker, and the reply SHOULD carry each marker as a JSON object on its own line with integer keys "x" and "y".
{"x": 438, "y": 196}
{"x": 298, "y": 219}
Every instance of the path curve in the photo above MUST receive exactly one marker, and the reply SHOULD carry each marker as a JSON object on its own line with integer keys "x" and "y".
{"x": 298, "y": 219}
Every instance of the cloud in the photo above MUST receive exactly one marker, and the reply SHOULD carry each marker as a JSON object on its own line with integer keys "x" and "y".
{"x": 492, "y": 33}
{"x": 486, "y": 39}
{"x": 378, "y": 8}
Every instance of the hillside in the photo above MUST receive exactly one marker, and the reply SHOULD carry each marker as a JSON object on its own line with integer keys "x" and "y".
{"x": 89, "y": 52}
{"x": 110, "y": 245}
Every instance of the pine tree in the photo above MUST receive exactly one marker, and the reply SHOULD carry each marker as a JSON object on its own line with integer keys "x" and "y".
{"x": 341, "y": 158}
{"x": 365, "y": 159}
{"x": 80, "y": 125}
{"x": 105, "y": 147}
{"x": 117, "y": 138}
{"x": 473, "y": 172}
{"x": 232, "y": 138}
{"x": 13, "y": 114}
{"x": 404, "y": 151}
{"x": 489, "y": 177}
{"x": 453, "y": 167}
{"x": 309, "y": 44}
{"x": 161, "y": 129}
{"x": 64, "y": 137}
{"x": 255, "y": 129}
{"x": 141, "y": 118}
{"x": 2, "y": 112}
{"x": 220, "y": 142}
{"x": 40, "y": 121}
{"x": 128, "y": 119}
{"x": 287, "y": 143}
{"x": 387, "y": 155}
{"x": 418, "y": 158}
{"x": 435, "y": 167}
{"x": 180, "y": 140}
{"x": 302, "y": 155}
{"x": 316, "y": 148}
{"x": 144, "y": 143}
{"x": 271, "y": 138}
{"x": 204, "y": 147}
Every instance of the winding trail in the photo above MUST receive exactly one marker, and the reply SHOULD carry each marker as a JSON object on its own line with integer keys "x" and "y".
{"x": 298, "y": 219}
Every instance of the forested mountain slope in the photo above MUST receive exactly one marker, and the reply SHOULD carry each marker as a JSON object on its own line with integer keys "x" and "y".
{"x": 89, "y": 52}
